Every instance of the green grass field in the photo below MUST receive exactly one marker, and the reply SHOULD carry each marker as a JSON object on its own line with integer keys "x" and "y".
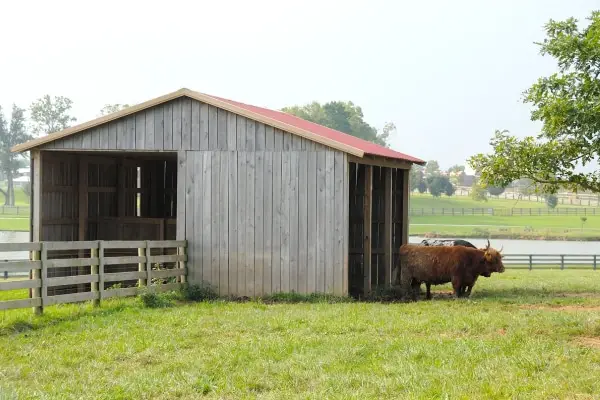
{"x": 528, "y": 335}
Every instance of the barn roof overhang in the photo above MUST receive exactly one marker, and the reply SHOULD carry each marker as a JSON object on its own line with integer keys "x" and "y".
{"x": 376, "y": 155}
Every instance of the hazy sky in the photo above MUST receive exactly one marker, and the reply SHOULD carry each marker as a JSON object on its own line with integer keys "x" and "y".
{"x": 447, "y": 73}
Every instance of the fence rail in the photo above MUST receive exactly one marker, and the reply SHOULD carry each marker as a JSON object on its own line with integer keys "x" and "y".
{"x": 14, "y": 210}
{"x": 551, "y": 261}
{"x": 505, "y": 212}
{"x": 39, "y": 264}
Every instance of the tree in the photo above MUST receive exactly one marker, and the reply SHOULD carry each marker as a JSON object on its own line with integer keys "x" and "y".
{"x": 51, "y": 115}
{"x": 10, "y": 136}
{"x": 432, "y": 167}
{"x": 415, "y": 176}
{"x": 478, "y": 192}
{"x": 551, "y": 200}
{"x": 495, "y": 190}
{"x": 422, "y": 188}
{"x": 111, "y": 108}
{"x": 342, "y": 116}
{"x": 456, "y": 168}
{"x": 439, "y": 184}
{"x": 567, "y": 105}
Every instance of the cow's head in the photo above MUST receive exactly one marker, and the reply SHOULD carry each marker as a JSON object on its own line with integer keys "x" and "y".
{"x": 492, "y": 260}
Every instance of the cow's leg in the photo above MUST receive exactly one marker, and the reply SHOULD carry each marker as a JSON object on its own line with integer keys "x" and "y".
{"x": 416, "y": 288}
{"x": 428, "y": 296}
{"x": 405, "y": 282}
{"x": 456, "y": 285}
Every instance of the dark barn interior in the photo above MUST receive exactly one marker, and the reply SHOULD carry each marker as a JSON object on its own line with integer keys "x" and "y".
{"x": 87, "y": 196}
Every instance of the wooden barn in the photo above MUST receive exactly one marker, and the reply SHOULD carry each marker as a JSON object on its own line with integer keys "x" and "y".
{"x": 267, "y": 202}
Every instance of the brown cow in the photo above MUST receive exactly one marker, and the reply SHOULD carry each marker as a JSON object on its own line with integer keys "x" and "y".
{"x": 440, "y": 264}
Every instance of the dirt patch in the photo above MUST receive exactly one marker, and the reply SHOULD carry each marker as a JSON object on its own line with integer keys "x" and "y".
{"x": 561, "y": 308}
{"x": 589, "y": 342}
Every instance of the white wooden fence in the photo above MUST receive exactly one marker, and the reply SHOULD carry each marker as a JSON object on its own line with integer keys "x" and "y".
{"x": 39, "y": 264}
{"x": 551, "y": 261}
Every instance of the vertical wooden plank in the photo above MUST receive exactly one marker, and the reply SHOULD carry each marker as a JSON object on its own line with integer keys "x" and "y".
{"x": 387, "y": 228}
{"x": 339, "y": 206}
{"x": 250, "y": 135}
{"x": 177, "y": 124}
{"x": 231, "y": 131}
{"x": 83, "y": 197}
{"x": 224, "y": 222}
{"x": 186, "y": 123}
{"x": 293, "y": 213}
{"x": 191, "y": 176}
{"x": 197, "y": 239}
{"x": 112, "y": 135}
{"x": 240, "y": 133}
{"x": 269, "y": 138}
{"x": 285, "y": 221}
{"x": 97, "y": 134}
{"x": 346, "y": 216}
{"x": 149, "y": 140}
{"x": 329, "y": 227}
{"x": 367, "y": 227}
{"x": 296, "y": 142}
{"x": 159, "y": 127}
{"x": 212, "y": 128}
{"x": 287, "y": 141}
{"x": 321, "y": 216}
{"x": 278, "y": 139}
{"x": 120, "y": 135}
{"x": 140, "y": 130}
{"x": 206, "y": 218}
{"x": 259, "y": 245}
{"x": 260, "y": 136}
{"x": 312, "y": 222}
{"x": 221, "y": 129}
{"x": 195, "y": 125}
{"x": 233, "y": 222}
{"x": 250, "y": 224}
{"x": 203, "y": 126}
{"x": 277, "y": 222}
{"x": 267, "y": 198}
{"x": 241, "y": 223}
{"x": 181, "y": 194}
{"x": 302, "y": 222}
{"x": 405, "y": 204}
{"x": 130, "y": 132}
{"x": 83, "y": 140}
{"x": 214, "y": 211}
{"x": 168, "y": 126}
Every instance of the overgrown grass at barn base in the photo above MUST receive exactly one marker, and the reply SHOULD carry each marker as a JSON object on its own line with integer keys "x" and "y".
{"x": 522, "y": 334}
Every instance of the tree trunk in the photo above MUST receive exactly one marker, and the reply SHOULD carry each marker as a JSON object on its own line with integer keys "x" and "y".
{"x": 9, "y": 199}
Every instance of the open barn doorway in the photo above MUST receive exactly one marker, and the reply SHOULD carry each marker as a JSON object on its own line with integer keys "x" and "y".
{"x": 88, "y": 196}
{"x": 382, "y": 215}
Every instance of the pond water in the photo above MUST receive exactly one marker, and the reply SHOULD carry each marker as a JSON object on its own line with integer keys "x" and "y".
{"x": 512, "y": 246}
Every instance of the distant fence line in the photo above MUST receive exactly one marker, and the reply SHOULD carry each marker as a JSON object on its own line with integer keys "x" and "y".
{"x": 15, "y": 210}
{"x": 551, "y": 261}
{"x": 504, "y": 212}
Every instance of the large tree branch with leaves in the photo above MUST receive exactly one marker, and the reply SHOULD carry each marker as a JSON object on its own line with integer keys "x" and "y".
{"x": 568, "y": 105}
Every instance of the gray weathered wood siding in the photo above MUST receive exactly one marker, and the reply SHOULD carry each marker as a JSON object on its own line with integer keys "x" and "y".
{"x": 263, "y": 210}
{"x": 183, "y": 124}
{"x": 251, "y": 228}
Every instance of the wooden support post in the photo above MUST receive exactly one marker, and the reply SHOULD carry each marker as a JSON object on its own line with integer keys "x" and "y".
{"x": 94, "y": 270}
{"x": 387, "y": 226}
{"x": 182, "y": 264}
{"x": 148, "y": 267}
{"x": 36, "y": 293}
{"x": 405, "y": 204}
{"x": 83, "y": 210}
{"x": 144, "y": 252}
{"x": 367, "y": 227}
{"x": 44, "y": 277}
{"x": 120, "y": 193}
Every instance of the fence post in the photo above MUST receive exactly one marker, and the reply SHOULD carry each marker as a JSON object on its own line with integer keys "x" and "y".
{"x": 44, "y": 276}
{"x": 5, "y": 275}
{"x": 37, "y": 274}
{"x": 594, "y": 262}
{"x": 530, "y": 262}
{"x": 100, "y": 270}
{"x": 149, "y": 266}
{"x": 562, "y": 262}
{"x": 142, "y": 252}
{"x": 94, "y": 271}
{"x": 182, "y": 264}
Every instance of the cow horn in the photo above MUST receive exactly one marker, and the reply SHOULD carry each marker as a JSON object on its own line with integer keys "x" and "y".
{"x": 501, "y": 248}
{"x": 488, "y": 245}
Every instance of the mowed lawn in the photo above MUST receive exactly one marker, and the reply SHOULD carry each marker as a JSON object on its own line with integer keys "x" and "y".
{"x": 529, "y": 335}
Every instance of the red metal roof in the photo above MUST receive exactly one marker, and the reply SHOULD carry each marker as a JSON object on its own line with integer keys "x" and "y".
{"x": 323, "y": 131}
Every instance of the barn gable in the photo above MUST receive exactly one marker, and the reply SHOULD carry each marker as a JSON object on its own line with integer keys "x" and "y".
{"x": 183, "y": 124}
